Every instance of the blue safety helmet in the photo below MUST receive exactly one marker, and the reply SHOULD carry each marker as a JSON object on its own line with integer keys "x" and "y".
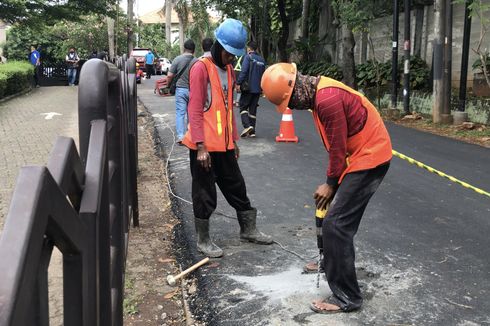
{"x": 232, "y": 36}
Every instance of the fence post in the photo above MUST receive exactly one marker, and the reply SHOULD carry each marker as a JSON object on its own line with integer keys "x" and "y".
{"x": 92, "y": 100}
{"x": 133, "y": 138}
{"x": 92, "y": 105}
{"x": 114, "y": 111}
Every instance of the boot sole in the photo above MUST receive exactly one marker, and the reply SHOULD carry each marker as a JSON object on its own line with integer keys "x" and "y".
{"x": 211, "y": 255}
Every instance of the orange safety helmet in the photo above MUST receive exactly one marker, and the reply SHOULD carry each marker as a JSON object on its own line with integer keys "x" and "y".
{"x": 278, "y": 83}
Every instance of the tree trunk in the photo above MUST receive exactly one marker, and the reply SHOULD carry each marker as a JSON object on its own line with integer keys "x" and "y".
{"x": 168, "y": 23}
{"x": 305, "y": 26}
{"x": 305, "y": 21}
{"x": 419, "y": 24}
{"x": 438, "y": 91}
{"x": 283, "y": 39}
{"x": 265, "y": 32}
{"x": 130, "y": 26}
{"x": 348, "y": 63}
{"x": 181, "y": 33}
{"x": 110, "y": 34}
{"x": 364, "y": 47}
{"x": 327, "y": 32}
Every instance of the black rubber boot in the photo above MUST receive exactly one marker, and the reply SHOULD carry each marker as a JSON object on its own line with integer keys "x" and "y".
{"x": 248, "y": 230}
{"x": 204, "y": 243}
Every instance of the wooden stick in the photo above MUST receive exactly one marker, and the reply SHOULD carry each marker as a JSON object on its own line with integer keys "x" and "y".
{"x": 193, "y": 267}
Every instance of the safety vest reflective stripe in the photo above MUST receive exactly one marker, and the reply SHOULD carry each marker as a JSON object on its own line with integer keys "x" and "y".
{"x": 218, "y": 123}
{"x": 287, "y": 117}
{"x": 238, "y": 66}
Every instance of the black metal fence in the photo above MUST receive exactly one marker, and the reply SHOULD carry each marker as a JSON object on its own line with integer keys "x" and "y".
{"x": 55, "y": 73}
{"x": 83, "y": 205}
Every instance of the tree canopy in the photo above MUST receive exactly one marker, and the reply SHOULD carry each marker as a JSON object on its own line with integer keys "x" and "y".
{"x": 47, "y": 11}
{"x": 86, "y": 35}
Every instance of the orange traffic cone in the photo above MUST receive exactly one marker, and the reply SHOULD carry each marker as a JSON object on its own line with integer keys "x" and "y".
{"x": 286, "y": 130}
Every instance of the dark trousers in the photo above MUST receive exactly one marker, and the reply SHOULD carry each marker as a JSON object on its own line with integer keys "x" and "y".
{"x": 149, "y": 70}
{"x": 226, "y": 173}
{"x": 37, "y": 73}
{"x": 340, "y": 227}
{"x": 248, "y": 109}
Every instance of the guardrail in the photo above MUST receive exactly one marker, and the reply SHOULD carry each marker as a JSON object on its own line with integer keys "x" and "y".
{"x": 83, "y": 205}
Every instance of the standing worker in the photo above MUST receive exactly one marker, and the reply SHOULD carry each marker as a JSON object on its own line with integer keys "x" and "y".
{"x": 178, "y": 75}
{"x": 212, "y": 137}
{"x": 149, "y": 59}
{"x": 248, "y": 84}
{"x": 359, "y": 156}
{"x": 35, "y": 60}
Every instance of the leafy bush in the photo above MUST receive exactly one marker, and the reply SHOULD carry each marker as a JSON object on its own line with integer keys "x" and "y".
{"x": 3, "y": 84}
{"x": 419, "y": 74}
{"x": 321, "y": 68}
{"x": 372, "y": 74}
{"x": 15, "y": 76}
{"x": 478, "y": 66}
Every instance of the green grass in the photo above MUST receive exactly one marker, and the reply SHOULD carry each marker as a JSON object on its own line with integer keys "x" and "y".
{"x": 130, "y": 303}
{"x": 474, "y": 133}
{"x": 130, "y": 306}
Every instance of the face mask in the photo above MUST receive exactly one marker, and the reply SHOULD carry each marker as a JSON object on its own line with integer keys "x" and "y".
{"x": 303, "y": 97}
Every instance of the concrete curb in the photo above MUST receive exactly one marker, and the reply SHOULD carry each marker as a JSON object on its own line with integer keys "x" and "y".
{"x": 8, "y": 98}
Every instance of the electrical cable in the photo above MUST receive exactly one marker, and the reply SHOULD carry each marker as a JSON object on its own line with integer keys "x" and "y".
{"x": 174, "y": 142}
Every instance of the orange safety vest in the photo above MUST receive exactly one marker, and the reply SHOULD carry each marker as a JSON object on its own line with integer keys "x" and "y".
{"x": 218, "y": 119}
{"x": 368, "y": 148}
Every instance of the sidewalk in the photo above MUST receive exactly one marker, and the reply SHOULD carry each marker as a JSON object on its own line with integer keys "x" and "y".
{"x": 29, "y": 125}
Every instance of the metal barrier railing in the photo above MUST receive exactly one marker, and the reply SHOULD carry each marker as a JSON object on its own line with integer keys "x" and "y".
{"x": 83, "y": 205}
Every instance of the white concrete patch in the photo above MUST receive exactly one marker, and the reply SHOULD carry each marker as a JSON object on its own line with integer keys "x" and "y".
{"x": 284, "y": 285}
{"x": 390, "y": 294}
{"x": 255, "y": 148}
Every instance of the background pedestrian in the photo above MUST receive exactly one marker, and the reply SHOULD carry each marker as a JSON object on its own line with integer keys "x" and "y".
{"x": 72, "y": 60}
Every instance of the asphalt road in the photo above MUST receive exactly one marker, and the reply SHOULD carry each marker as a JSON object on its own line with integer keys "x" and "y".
{"x": 422, "y": 247}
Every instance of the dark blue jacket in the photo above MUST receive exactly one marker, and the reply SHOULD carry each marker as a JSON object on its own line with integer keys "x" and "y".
{"x": 255, "y": 65}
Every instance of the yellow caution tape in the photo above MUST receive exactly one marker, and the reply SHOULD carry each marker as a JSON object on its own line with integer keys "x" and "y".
{"x": 439, "y": 173}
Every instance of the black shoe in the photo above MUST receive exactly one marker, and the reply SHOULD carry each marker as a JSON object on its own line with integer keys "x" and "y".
{"x": 247, "y": 131}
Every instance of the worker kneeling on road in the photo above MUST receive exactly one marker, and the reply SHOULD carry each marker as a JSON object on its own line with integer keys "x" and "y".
{"x": 359, "y": 156}
{"x": 212, "y": 136}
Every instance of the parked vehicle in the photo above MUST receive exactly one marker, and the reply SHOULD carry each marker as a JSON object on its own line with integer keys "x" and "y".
{"x": 163, "y": 66}
{"x": 157, "y": 69}
{"x": 139, "y": 54}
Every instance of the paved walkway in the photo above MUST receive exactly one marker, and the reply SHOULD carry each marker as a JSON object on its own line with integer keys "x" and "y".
{"x": 29, "y": 125}
{"x": 28, "y": 132}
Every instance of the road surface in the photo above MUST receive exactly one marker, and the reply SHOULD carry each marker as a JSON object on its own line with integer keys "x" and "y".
{"x": 422, "y": 246}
